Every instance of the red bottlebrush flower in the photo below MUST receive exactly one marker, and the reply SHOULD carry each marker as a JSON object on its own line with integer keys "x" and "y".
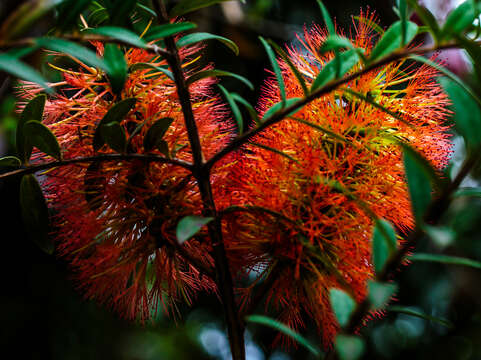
{"x": 115, "y": 221}
{"x": 313, "y": 237}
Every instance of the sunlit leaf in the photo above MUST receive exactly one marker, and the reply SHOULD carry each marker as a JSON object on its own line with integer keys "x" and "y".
{"x": 327, "y": 18}
{"x": 347, "y": 60}
{"x": 392, "y": 39}
{"x": 203, "y": 36}
{"x": 279, "y": 106}
{"x": 276, "y": 68}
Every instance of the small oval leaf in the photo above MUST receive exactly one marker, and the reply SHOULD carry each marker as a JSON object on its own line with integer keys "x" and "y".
{"x": 380, "y": 293}
{"x": 32, "y": 111}
{"x": 384, "y": 244}
{"x": 345, "y": 62}
{"x": 279, "y": 106}
{"x": 35, "y": 213}
{"x": 114, "y": 135}
{"x": 188, "y": 226}
{"x": 342, "y": 304}
{"x": 10, "y": 161}
{"x": 40, "y": 136}
{"x": 393, "y": 39}
{"x": 117, "y": 113}
{"x": 156, "y": 132}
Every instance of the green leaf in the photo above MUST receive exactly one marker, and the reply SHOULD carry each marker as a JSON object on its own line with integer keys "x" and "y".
{"x": 288, "y": 61}
{"x": 142, "y": 66}
{"x": 120, "y": 11}
{"x": 445, "y": 259}
{"x": 187, "y": 6}
{"x": 467, "y": 113}
{"x": 120, "y": 34}
{"x": 403, "y": 15}
{"x": 75, "y": 50}
{"x": 117, "y": 113}
{"x": 371, "y": 24}
{"x": 380, "y": 293}
{"x": 235, "y": 109}
{"x": 163, "y": 147}
{"x": 411, "y": 312}
{"x": 474, "y": 51}
{"x": 346, "y": 61}
{"x": 32, "y": 111}
{"x": 35, "y": 213}
{"x": 349, "y": 347}
{"x": 216, "y": 73}
{"x": 188, "y": 226}
{"x": 474, "y": 192}
{"x": 114, "y": 135}
{"x": 156, "y": 132}
{"x": 250, "y": 109}
{"x": 427, "y": 18}
{"x": 428, "y": 170}
{"x": 384, "y": 244}
{"x": 275, "y": 67}
{"x": 342, "y": 304}
{"x": 117, "y": 67}
{"x": 40, "y": 136}
{"x": 418, "y": 184}
{"x": 279, "y": 106}
{"x": 202, "y": 36}
{"x": 392, "y": 39}
{"x": 162, "y": 31}
{"x": 10, "y": 161}
{"x": 327, "y": 18}
{"x": 147, "y": 10}
{"x": 459, "y": 19}
{"x": 264, "y": 320}
{"x": 13, "y": 66}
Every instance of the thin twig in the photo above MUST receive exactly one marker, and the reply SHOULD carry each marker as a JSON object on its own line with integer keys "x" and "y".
{"x": 235, "y": 326}
{"x": 284, "y": 113}
{"x": 97, "y": 158}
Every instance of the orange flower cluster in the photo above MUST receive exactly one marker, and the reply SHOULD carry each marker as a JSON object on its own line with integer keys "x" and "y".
{"x": 115, "y": 221}
{"x": 300, "y": 229}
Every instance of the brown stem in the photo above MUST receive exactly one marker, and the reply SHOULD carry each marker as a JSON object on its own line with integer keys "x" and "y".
{"x": 235, "y": 326}
{"x": 284, "y": 113}
{"x": 97, "y": 158}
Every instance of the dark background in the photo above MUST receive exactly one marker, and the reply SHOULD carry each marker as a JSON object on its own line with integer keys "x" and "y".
{"x": 43, "y": 317}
